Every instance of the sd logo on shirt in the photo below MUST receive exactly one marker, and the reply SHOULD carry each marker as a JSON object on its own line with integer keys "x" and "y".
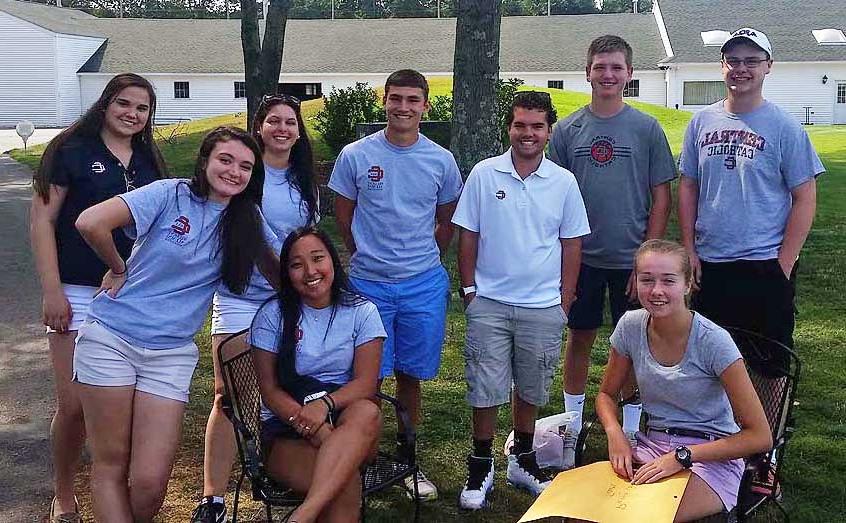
{"x": 375, "y": 175}
{"x": 179, "y": 231}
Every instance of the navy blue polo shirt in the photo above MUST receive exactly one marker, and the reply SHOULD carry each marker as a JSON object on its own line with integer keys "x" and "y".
{"x": 92, "y": 174}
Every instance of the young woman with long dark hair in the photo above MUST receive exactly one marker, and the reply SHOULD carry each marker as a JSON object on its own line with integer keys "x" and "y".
{"x": 135, "y": 356}
{"x": 704, "y": 414}
{"x": 317, "y": 347}
{"x": 289, "y": 201}
{"x": 109, "y": 151}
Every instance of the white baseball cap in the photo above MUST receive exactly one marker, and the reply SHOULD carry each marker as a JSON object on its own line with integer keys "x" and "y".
{"x": 756, "y": 37}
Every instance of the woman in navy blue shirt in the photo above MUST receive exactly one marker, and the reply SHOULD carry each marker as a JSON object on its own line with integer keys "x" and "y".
{"x": 108, "y": 151}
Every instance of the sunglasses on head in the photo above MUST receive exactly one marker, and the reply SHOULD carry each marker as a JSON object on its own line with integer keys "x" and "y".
{"x": 280, "y": 98}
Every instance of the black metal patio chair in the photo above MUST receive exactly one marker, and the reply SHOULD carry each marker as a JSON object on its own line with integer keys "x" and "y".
{"x": 774, "y": 370}
{"x": 242, "y": 405}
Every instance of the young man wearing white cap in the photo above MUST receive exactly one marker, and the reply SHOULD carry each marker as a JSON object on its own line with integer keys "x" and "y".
{"x": 747, "y": 198}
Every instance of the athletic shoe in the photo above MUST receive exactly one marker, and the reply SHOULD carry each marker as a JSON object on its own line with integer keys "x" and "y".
{"x": 568, "y": 458}
{"x": 426, "y": 490}
{"x": 632, "y": 437}
{"x": 480, "y": 479}
{"x": 208, "y": 511}
{"x": 523, "y": 472}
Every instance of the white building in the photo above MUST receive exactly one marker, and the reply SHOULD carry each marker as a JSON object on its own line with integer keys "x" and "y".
{"x": 54, "y": 61}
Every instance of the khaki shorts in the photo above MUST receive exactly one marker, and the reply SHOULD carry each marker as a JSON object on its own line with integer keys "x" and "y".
{"x": 104, "y": 359}
{"x": 506, "y": 343}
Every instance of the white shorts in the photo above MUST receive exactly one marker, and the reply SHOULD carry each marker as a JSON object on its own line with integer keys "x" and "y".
{"x": 231, "y": 315}
{"x": 80, "y": 297}
{"x": 104, "y": 359}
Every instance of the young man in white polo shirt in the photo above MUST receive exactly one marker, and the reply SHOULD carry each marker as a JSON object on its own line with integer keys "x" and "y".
{"x": 522, "y": 219}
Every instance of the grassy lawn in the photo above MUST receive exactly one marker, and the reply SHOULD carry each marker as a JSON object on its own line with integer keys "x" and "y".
{"x": 816, "y": 459}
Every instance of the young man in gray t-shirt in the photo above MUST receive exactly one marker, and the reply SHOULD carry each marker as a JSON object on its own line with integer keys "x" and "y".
{"x": 747, "y": 198}
{"x": 623, "y": 164}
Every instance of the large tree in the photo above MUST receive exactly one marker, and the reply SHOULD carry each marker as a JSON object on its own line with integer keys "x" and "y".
{"x": 262, "y": 57}
{"x": 475, "y": 129}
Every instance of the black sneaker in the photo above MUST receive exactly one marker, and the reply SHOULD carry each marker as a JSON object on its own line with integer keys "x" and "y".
{"x": 524, "y": 472}
{"x": 208, "y": 511}
{"x": 480, "y": 479}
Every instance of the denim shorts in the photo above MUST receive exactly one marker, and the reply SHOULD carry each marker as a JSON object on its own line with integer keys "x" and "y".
{"x": 413, "y": 312}
{"x": 508, "y": 344}
{"x": 104, "y": 359}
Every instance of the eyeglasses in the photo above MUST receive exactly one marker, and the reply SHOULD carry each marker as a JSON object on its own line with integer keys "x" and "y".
{"x": 130, "y": 180}
{"x": 750, "y": 63}
{"x": 280, "y": 98}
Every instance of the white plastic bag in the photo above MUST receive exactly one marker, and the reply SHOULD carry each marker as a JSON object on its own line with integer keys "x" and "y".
{"x": 548, "y": 443}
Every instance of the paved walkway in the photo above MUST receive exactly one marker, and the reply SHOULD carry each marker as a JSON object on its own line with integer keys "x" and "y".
{"x": 9, "y": 139}
{"x": 26, "y": 388}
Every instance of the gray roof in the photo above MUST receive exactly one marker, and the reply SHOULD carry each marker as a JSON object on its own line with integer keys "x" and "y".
{"x": 556, "y": 43}
{"x": 787, "y": 23}
{"x": 540, "y": 43}
{"x": 58, "y": 20}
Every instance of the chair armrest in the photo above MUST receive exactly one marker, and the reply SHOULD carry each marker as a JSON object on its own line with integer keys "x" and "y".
{"x": 402, "y": 415}
{"x": 582, "y": 441}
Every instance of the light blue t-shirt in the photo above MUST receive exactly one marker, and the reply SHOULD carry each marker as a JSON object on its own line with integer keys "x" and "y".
{"x": 283, "y": 210}
{"x": 327, "y": 345}
{"x": 688, "y": 395}
{"x": 396, "y": 190}
{"x": 173, "y": 271}
{"x": 746, "y": 166}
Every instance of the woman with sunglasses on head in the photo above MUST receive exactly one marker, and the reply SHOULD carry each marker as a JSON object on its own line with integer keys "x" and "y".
{"x": 317, "y": 347}
{"x": 289, "y": 201}
{"x": 108, "y": 151}
{"x": 135, "y": 353}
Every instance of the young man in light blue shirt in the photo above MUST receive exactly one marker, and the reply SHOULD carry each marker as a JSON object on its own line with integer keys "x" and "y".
{"x": 396, "y": 192}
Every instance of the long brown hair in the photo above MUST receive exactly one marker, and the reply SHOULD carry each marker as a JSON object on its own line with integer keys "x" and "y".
{"x": 90, "y": 124}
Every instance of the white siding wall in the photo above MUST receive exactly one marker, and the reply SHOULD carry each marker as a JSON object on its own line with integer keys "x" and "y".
{"x": 72, "y": 53}
{"x": 792, "y": 86}
{"x": 27, "y": 73}
{"x": 652, "y": 86}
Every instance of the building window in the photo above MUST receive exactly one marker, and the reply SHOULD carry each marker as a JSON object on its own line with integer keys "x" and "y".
{"x": 240, "y": 89}
{"x": 312, "y": 89}
{"x": 180, "y": 90}
{"x": 841, "y": 93}
{"x": 703, "y": 93}
{"x": 632, "y": 89}
{"x": 555, "y": 84}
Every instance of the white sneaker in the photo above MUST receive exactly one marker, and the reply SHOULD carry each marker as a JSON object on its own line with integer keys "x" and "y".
{"x": 426, "y": 490}
{"x": 568, "y": 459}
{"x": 480, "y": 479}
{"x": 523, "y": 472}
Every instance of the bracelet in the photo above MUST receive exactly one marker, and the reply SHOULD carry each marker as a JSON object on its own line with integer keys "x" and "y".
{"x": 330, "y": 403}
{"x": 125, "y": 268}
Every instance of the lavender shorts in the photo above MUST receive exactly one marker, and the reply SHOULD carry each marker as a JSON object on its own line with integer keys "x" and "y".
{"x": 722, "y": 476}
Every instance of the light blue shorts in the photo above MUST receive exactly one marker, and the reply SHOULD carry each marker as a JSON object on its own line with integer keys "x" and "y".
{"x": 413, "y": 312}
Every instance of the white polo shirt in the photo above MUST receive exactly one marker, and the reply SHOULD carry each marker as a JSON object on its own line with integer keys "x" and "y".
{"x": 520, "y": 224}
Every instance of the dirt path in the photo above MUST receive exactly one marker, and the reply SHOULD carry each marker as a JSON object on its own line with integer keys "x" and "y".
{"x": 26, "y": 388}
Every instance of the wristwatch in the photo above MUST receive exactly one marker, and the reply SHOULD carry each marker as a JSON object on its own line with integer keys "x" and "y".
{"x": 683, "y": 456}
{"x": 464, "y": 291}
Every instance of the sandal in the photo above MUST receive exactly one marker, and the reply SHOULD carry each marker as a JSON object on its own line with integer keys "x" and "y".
{"x": 66, "y": 517}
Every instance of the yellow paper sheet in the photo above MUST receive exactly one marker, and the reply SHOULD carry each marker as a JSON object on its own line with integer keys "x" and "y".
{"x": 595, "y": 493}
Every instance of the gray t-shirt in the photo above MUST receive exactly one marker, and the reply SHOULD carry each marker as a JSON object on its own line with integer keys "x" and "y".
{"x": 690, "y": 394}
{"x": 617, "y": 161}
{"x": 746, "y": 166}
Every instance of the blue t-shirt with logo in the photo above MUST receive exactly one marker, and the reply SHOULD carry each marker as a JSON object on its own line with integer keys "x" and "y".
{"x": 283, "y": 210}
{"x": 173, "y": 271}
{"x": 746, "y": 166}
{"x": 328, "y": 338}
{"x": 92, "y": 174}
{"x": 396, "y": 190}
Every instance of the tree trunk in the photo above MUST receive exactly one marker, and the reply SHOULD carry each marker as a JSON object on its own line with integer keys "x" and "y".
{"x": 475, "y": 129}
{"x": 262, "y": 58}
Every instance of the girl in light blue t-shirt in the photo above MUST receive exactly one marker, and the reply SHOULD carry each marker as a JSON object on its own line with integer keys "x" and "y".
{"x": 289, "y": 201}
{"x": 704, "y": 413}
{"x": 135, "y": 355}
{"x": 317, "y": 350}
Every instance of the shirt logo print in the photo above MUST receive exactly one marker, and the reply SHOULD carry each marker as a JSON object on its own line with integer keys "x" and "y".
{"x": 98, "y": 168}
{"x": 179, "y": 231}
{"x": 375, "y": 176}
{"x": 603, "y": 151}
{"x": 500, "y": 195}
